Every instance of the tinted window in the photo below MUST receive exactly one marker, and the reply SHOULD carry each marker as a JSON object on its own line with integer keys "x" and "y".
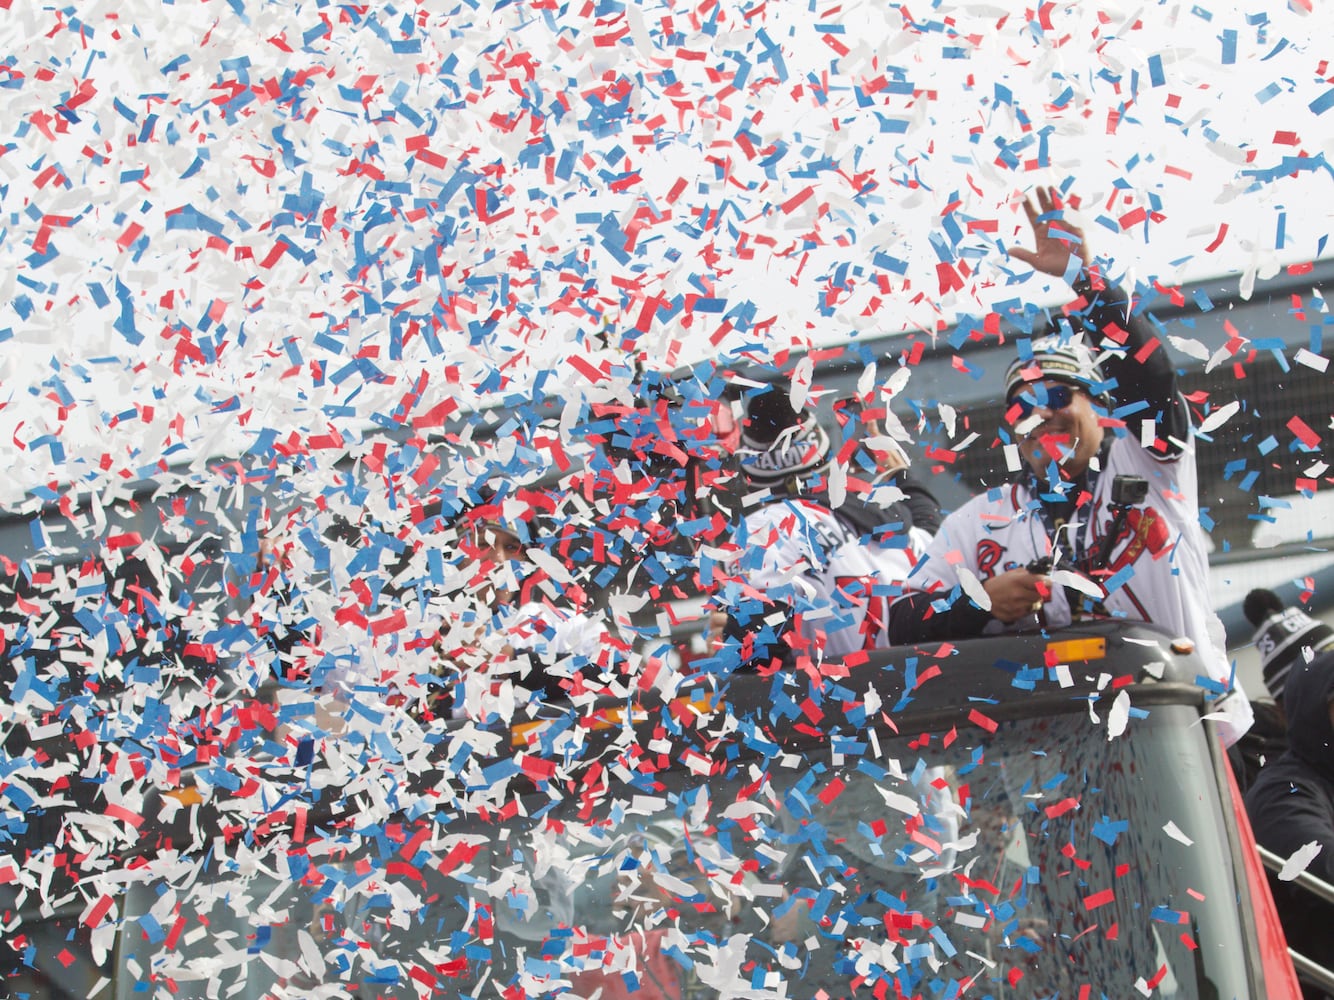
{"x": 1034, "y": 861}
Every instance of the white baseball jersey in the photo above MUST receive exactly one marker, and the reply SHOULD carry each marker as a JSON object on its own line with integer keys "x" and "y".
{"x": 1158, "y": 566}
{"x": 549, "y": 632}
{"x": 560, "y": 639}
{"x": 839, "y": 587}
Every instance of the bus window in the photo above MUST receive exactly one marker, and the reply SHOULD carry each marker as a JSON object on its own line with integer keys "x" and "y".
{"x": 1040, "y": 856}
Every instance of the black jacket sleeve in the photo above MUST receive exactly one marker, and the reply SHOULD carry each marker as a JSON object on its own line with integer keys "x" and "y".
{"x": 912, "y": 619}
{"x": 923, "y": 507}
{"x": 1145, "y": 381}
{"x": 1290, "y": 807}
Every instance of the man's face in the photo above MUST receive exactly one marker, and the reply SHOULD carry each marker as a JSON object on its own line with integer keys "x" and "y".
{"x": 497, "y": 545}
{"x": 1055, "y": 421}
{"x": 493, "y": 549}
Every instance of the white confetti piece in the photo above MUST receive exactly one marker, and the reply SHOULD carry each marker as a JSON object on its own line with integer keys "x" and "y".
{"x": 1173, "y": 831}
{"x": 900, "y": 802}
{"x": 1311, "y": 360}
{"x": 1219, "y": 417}
{"x": 1190, "y": 347}
{"x": 949, "y": 415}
{"x": 1299, "y": 861}
{"x": 1079, "y": 582}
{"x": 838, "y": 483}
{"x": 1118, "y": 717}
{"x": 973, "y": 587}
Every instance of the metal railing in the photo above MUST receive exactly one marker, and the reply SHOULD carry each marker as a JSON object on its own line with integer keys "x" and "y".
{"x": 1308, "y": 971}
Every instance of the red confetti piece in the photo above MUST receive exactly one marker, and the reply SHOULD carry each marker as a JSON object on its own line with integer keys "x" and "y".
{"x": 1061, "y": 808}
{"x": 1098, "y": 899}
{"x": 982, "y": 721}
{"x": 397, "y": 621}
{"x": 93, "y": 917}
{"x": 126, "y": 816}
{"x": 831, "y": 791}
{"x": 1303, "y": 433}
{"x": 928, "y": 673}
{"x": 797, "y": 199}
{"x": 537, "y": 768}
{"x": 1133, "y": 218}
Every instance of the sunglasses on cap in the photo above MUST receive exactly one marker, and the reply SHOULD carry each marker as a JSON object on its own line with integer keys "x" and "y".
{"x": 1051, "y": 397}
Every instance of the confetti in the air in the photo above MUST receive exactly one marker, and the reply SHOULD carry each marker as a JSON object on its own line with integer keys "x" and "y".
{"x": 374, "y": 412}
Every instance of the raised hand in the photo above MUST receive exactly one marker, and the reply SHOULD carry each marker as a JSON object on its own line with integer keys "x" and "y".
{"x": 1056, "y": 238}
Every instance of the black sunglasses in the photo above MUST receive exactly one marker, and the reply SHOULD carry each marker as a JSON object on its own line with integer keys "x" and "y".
{"x": 1053, "y": 397}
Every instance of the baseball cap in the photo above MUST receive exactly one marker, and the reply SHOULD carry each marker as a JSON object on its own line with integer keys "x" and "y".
{"x": 1059, "y": 357}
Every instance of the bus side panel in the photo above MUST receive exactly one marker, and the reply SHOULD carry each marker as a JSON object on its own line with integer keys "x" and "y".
{"x": 1279, "y": 976}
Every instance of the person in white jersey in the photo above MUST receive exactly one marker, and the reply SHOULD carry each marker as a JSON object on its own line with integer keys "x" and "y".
{"x": 813, "y": 580}
{"x": 1103, "y": 518}
{"x": 494, "y": 635}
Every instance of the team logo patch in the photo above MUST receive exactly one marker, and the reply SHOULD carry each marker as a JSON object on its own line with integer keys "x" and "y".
{"x": 1147, "y": 531}
{"x": 989, "y": 555}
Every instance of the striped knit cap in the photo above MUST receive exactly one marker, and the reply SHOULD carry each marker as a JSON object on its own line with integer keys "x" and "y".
{"x": 777, "y": 442}
{"x": 1282, "y": 636}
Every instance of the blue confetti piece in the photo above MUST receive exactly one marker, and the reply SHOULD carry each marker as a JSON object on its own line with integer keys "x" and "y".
{"x": 152, "y": 929}
{"x": 1156, "y": 77}
{"x": 892, "y": 126}
{"x": 1323, "y": 103}
{"x": 1167, "y": 915}
{"x": 946, "y": 945}
{"x": 21, "y": 799}
{"x": 263, "y": 934}
{"x": 1119, "y": 579}
{"x": 1108, "y": 830}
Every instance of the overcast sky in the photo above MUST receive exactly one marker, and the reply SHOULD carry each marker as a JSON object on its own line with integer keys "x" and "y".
{"x": 229, "y": 224}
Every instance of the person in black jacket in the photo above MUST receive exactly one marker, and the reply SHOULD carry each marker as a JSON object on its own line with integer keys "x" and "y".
{"x": 1283, "y": 636}
{"x": 1291, "y": 805}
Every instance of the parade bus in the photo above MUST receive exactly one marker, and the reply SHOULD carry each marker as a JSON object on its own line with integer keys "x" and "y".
{"x": 1028, "y": 815}
{"x": 1016, "y": 816}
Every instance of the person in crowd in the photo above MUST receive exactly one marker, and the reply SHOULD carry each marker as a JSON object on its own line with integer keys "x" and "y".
{"x": 1103, "y": 518}
{"x": 477, "y": 627}
{"x": 1291, "y": 807}
{"x": 830, "y": 570}
{"x": 499, "y": 630}
{"x": 1283, "y": 636}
